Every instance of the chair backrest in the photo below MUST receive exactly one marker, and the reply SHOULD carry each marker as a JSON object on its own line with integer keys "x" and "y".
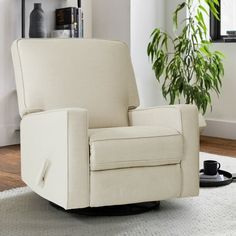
{"x": 87, "y": 73}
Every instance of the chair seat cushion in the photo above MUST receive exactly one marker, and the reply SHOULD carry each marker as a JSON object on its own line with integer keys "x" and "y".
{"x": 137, "y": 146}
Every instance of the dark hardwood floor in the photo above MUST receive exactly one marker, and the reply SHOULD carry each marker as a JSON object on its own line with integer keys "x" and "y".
{"x": 219, "y": 146}
{"x": 10, "y": 159}
{"x": 10, "y": 167}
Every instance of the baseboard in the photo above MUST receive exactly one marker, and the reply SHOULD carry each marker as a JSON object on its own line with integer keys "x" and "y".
{"x": 9, "y": 135}
{"x": 220, "y": 128}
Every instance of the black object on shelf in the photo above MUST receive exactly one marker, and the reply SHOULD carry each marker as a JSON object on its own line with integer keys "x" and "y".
{"x": 66, "y": 16}
{"x": 23, "y": 18}
{"x": 37, "y": 27}
{"x": 227, "y": 179}
{"x": 70, "y": 19}
{"x": 67, "y": 19}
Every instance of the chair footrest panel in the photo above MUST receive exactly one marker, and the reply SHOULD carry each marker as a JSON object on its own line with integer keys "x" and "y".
{"x": 132, "y": 185}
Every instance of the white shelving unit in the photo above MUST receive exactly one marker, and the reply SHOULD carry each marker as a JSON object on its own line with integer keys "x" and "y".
{"x": 49, "y": 7}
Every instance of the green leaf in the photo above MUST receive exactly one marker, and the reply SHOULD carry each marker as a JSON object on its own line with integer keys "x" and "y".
{"x": 188, "y": 68}
{"x": 203, "y": 9}
{"x": 220, "y": 54}
{"x": 175, "y": 14}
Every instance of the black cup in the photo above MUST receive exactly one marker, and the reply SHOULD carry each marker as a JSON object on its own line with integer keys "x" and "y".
{"x": 211, "y": 167}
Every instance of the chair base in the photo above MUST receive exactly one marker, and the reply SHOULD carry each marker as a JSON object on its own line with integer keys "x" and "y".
{"x": 119, "y": 210}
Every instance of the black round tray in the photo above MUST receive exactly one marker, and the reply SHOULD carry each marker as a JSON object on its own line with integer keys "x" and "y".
{"x": 227, "y": 180}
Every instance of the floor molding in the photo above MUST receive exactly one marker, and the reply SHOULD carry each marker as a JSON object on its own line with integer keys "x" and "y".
{"x": 9, "y": 135}
{"x": 220, "y": 128}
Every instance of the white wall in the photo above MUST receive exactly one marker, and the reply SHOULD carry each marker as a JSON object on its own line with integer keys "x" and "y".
{"x": 144, "y": 18}
{"x": 222, "y": 120}
{"x": 10, "y": 30}
{"x": 132, "y": 21}
{"x": 111, "y": 19}
{"x": 169, "y": 9}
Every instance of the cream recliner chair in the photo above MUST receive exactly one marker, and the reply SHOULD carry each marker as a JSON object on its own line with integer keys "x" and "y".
{"x": 83, "y": 142}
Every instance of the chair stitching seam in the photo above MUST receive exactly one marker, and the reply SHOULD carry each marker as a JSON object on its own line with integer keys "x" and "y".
{"x": 162, "y": 136}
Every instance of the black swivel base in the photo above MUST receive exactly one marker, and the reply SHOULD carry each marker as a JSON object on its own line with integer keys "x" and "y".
{"x": 119, "y": 210}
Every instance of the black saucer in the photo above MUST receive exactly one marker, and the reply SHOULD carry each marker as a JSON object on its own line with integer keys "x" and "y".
{"x": 228, "y": 179}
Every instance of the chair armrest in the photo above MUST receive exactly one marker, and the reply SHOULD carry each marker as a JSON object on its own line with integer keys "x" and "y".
{"x": 183, "y": 118}
{"x": 54, "y": 152}
{"x": 167, "y": 116}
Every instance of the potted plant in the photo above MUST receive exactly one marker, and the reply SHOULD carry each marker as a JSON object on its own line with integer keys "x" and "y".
{"x": 184, "y": 64}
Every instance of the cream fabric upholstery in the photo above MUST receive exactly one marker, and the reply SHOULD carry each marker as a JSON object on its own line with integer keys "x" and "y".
{"x": 83, "y": 143}
{"x": 183, "y": 118}
{"x": 47, "y": 69}
{"x": 115, "y": 187}
{"x": 54, "y": 156}
{"x": 134, "y": 146}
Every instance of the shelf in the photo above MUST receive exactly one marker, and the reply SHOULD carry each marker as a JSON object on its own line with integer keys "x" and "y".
{"x": 49, "y": 7}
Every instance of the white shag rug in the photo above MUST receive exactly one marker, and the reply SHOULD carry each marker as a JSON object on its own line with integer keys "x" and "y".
{"x": 23, "y": 213}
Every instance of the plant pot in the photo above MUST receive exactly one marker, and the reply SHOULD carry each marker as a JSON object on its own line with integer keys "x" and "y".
{"x": 202, "y": 122}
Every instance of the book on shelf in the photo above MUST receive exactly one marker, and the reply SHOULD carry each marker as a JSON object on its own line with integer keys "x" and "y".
{"x": 61, "y": 34}
{"x": 80, "y": 23}
{"x": 70, "y": 18}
